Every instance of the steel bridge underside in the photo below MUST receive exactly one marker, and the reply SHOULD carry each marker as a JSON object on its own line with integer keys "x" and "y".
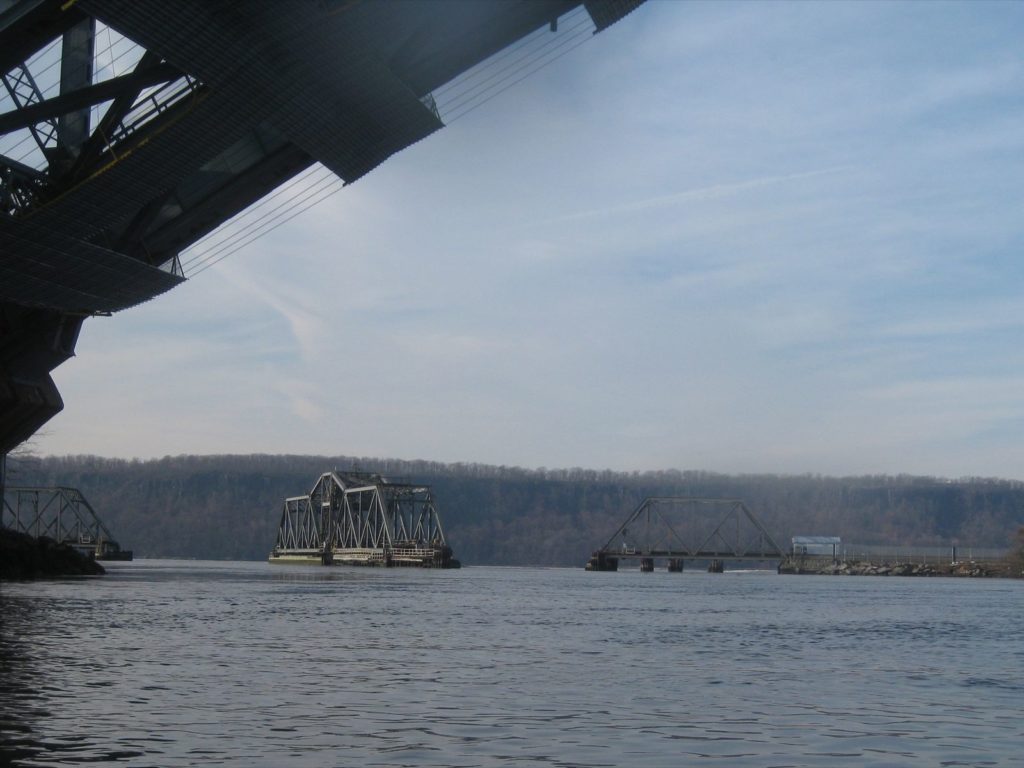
{"x": 228, "y": 101}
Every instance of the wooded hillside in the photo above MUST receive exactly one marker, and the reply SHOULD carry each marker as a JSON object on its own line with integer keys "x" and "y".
{"x": 228, "y": 507}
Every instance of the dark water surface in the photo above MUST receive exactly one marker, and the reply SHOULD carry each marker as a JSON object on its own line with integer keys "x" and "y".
{"x": 170, "y": 663}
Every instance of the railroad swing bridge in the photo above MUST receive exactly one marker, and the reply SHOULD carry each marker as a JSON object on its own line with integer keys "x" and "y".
{"x": 62, "y": 514}
{"x": 360, "y": 518}
{"x": 681, "y": 528}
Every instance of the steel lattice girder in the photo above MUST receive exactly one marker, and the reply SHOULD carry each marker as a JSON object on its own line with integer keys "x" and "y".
{"x": 712, "y": 528}
{"x": 62, "y": 514}
{"x": 358, "y": 511}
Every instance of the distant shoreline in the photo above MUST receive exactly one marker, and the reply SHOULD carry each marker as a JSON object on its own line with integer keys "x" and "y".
{"x": 1003, "y": 569}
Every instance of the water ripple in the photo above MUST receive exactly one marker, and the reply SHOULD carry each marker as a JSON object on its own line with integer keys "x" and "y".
{"x": 172, "y": 664}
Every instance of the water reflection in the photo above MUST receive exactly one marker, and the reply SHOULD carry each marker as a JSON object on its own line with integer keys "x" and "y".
{"x": 58, "y": 652}
{"x": 21, "y": 702}
{"x": 313, "y": 573}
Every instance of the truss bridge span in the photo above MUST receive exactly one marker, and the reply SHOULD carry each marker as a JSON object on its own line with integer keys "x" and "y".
{"x": 63, "y": 515}
{"x": 677, "y": 529}
{"x": 359, "y": 518}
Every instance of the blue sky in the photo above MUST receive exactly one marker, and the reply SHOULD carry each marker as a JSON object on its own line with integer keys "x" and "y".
{"x": 741, "y": 237}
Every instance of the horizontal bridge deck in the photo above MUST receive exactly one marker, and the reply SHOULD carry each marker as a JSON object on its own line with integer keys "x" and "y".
{"x": 665, "y": 554}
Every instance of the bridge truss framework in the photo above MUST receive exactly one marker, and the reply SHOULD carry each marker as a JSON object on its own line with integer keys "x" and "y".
{"x": 62, "y": 514}
{"x": 358, "y": 518}
{"x": 681, "y": 528}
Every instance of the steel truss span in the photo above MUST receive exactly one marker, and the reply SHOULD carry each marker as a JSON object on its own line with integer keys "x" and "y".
{"x": 681, "y": 528}
{"x": 62, "y": 514}
{"x": 358, "y": 518}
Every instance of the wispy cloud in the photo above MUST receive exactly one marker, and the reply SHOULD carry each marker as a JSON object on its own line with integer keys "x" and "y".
{"x": 983, "y": 317}
{"x": 743, "y": 236}
{"x": 306, "y": 321}
{"x": 711, "y": 192}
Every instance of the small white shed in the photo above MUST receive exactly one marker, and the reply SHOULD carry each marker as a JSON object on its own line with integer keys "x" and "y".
{"x": 816, "y": 545}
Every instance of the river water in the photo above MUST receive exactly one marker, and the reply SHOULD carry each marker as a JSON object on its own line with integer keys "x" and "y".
{"x": 174, "y": 663}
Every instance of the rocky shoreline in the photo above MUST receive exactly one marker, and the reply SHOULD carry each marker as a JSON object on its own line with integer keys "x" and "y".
{"x": 861, "y": 568}
{"x": 24, "y": 557}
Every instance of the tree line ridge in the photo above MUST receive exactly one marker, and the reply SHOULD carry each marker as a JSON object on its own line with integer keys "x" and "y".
{"x": 228, "y": 506}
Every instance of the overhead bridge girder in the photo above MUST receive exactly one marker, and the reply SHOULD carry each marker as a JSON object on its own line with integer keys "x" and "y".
{"x": 109, "y": 171}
